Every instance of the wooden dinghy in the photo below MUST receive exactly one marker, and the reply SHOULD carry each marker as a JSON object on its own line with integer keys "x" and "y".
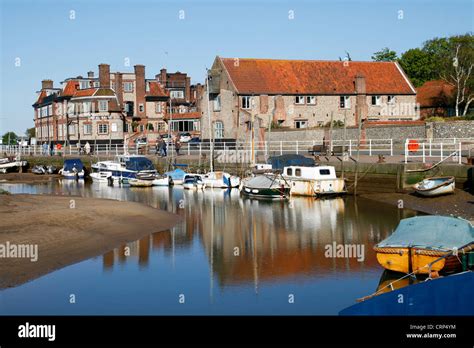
{"x": 142, "y": 180}
{"x": 420, "y": 241}
{"x": 435, "y": 186}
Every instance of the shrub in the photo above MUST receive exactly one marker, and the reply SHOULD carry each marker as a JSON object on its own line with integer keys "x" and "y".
{"x": 435, "y": 119}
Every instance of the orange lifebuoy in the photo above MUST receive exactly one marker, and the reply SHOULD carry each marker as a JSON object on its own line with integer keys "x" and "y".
{"x": 413, "y": 145}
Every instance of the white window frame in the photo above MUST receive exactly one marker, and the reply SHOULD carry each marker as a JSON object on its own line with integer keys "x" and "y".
{"x": 299, "y": 100}
{"x": 113, "y": 127}
{"x": 378, "y": 100}
{"x": 176, "y": 94}
{"x": 218, "y": 130}
{"x": 100, "y": 128}
{"x": 87, "y": 128}
{"x": 101, "y": 105}
{"x": 72, "y": 129}
{"x": 246, "y": 102}
{"x": 346, "y": 100}
{"x": 84, "y": 84}
{"x": 128, "y": 87}
{"x": 158, "y": 107}
{"x": 390, "y": 99}
{"x": 311, "y": 99}
{"x": 301, "y": 122}
{"x": 217, "y": 103}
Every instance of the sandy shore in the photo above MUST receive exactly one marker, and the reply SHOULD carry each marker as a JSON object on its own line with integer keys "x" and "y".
{"x": 459, "y": 204}
{"x": 27, "y": 178}
{"x": 66, "y": 235}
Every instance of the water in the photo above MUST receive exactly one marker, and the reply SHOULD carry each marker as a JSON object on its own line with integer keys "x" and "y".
{"x": 280, "y": 257}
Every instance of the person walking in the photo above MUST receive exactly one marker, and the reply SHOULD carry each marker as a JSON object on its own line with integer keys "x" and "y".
{"x": 78, "y": 146}
{"x": 177, "y": 146}
{"x": 87, "y": 148}
{"x": 165, "y": 152}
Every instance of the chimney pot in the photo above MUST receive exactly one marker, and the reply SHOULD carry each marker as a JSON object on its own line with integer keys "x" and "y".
{"x": 90, "y": 74}
{"x": 46, "y": 84}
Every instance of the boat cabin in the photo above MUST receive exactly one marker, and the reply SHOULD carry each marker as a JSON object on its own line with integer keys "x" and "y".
{"x": 310, "y": 173}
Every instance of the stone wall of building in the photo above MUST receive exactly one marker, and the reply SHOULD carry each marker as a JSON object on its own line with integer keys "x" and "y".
{"x": 461, "y": 129}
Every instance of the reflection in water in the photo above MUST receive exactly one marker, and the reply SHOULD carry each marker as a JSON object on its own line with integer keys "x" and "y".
{"x": 245, "y": 242}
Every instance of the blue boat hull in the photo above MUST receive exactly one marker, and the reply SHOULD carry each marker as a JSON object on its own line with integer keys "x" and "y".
{"x": 452, "y": 295}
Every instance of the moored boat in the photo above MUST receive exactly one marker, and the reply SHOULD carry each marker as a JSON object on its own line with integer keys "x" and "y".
{"x": 193, "y": 182}
{"x": 73, "y": 169}
{"x": 265, "y": 187}
{"x": 101, "y": 176}
{"x": 176, "y": 177}
{"x": 10, "y": 164}
{"x": 418, "y": 242}
{"x": 142, "y": 180}
{"x": 220, "y": 179}
{"x": 125, "y": 167}
{"x": 435, "y": 186}
{"x": 161, "y": 180}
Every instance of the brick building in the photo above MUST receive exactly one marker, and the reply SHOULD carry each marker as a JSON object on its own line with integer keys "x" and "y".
{"x": 436, "y": 98}
{"x": 303, "y": 94}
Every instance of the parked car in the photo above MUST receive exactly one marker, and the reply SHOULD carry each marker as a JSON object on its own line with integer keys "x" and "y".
{"x": 167, "y": 138}
{"x": 185, "y": 137}
{"x": 194, "y": 142}
{"x": 141, "y": 141}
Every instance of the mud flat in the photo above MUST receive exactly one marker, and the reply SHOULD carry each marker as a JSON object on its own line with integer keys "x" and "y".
{"x": 67, "y": 230}
{"x": 27, "y": 178}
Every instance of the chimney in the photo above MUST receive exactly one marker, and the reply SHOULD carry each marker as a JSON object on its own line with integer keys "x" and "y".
{"x": 187, "y": 89}
{"x": 46, "y": 84}
{"x": 104, "y": 75}
{"x": 361, "y": 99}
{"x": 90, "y": 74}
{"x": 163, "y": 77}
{"x": 119, "y": 89}
{"x": 140, "y": 88}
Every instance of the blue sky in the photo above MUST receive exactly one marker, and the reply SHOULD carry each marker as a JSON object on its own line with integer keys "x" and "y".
{"x": 52, "y": 45}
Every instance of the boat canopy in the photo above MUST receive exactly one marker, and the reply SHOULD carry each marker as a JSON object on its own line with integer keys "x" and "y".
{"x": 177, "y": 174}
{"x": 139, "y": 164}
{"x": 72, "y": 163}
{"x": 278, "y": 162}
{"x": 431, "y": 232}
{"x": 262, "y": 181}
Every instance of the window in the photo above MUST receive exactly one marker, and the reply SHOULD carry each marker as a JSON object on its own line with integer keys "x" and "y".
{"x": 103, "y": 105}
{"x": 72, "y": 129}
{"x": 141, "y": 107}
{"x": 183, "y": 126}
{"x": 84, "y": 84}
{"x": 344, "y": 102}
{"x": 96, "y": 83}
{"x": 128, "y": 86}
{"x": 217, "y": 103}
{"x": 103, "y": 128}
{"x": 86, "y": 107}
{"x": 299, "y": 100}
{"x": 142, "y": 128}
{"x": 311, "y": 99}
{"x": 113, "y": 127}
{"x": 298, "y": 172}
{"x": 158, "y": 107}
{"x": 161, "y": 126}
{"x": 324, "y": 172}
{"x": 125, "y": 128}
{"x": 218, "y": 130}
{"x": 289, "y": 171}
{"x": 376, "y": 100}
{"x": 391, "y": 99}
{"x": 88, "y": 128}
{"x": 246, "y": 102}
{"x": 177, "y": 94}
{"x": 301, "y": 124}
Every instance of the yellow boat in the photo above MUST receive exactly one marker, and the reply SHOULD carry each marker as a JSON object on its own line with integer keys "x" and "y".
{"x": 420, "y": 241}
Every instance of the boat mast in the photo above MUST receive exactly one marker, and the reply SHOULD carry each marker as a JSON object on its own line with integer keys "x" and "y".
{"x": 211, "y": 140}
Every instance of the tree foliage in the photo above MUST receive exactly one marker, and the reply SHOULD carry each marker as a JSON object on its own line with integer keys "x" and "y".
{"x": 385, "y": 55}
{"x": 10, "y": 138}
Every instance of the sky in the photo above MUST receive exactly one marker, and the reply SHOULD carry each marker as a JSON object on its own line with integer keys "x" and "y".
{"x": 56, "y": 39}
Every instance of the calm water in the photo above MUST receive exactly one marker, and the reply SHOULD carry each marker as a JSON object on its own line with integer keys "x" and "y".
{"x": 281, "y": 245}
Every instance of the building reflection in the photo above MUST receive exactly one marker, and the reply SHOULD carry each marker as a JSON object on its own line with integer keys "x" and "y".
{"x": 251, "y": 241}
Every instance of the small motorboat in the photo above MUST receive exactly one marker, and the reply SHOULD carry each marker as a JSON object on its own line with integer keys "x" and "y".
{"x": 51, "y": 169}
{"x": 101, "y": 176}
{"x": 435, "y": 186}
{"x": 39, "y": 169}
{"x": 265, "y": 187}
{"x": 220, "y": 180}
{"x": 193, "y": 182}
{"x": 73, "y": 169}
{"x": 425, "y": 244}
{"x": 142, "y": 180}
{"x": 161, "y": 180}
{"x": 11, "y": 164}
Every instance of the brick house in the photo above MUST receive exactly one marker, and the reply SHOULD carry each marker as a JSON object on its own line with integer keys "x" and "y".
{"x": 303, "y": 94}
{"x": 436, "y": 98}
{"x": 113, "y": 108}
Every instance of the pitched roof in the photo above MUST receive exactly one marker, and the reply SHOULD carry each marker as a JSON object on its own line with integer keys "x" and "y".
{"x": 88, "y": 92}
{"x": 70, "y": 88}
{"x": 41, "y": 96}
{"x": 435, "y": 93}
{"x": 273, "y": 76}
{"x": 155, "y": 90}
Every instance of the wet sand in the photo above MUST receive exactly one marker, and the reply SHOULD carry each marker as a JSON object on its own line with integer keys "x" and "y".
{"x": 66, "y": 235}
{"x": 460, "y": 203}
{"x": 27, "y": 178}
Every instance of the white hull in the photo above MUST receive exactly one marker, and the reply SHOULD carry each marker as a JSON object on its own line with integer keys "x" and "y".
{"x": 140, "y": 183}
{"x": 8, "y": 165}
{"x": 72, "y": 175}
{"x": 100, "y": 176}
{"x": 220, "y": 180}
{"x": 307, "y": 187}
{"x": 443, "y": 190}
{"x": 161, "y": 182}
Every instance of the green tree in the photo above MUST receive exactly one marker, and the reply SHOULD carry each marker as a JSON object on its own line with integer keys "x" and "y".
{"x": 30, "y": 132}
{"x": 10, "y": 138}
{"x": 385, "y": 55}
{"x": 419, "y": 66}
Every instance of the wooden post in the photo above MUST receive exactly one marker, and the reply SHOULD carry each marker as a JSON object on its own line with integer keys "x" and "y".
{"x": 359, "y": 121}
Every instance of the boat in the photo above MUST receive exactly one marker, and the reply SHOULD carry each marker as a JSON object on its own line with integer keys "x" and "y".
{"x": 73, "y": 169}
{"x": 193, "y": 182}
{"x": 419, "y": 241}
{"x": 142, "y": 179}
{"x": 101, "y": 176}
{"x": 39, "y": 169}
{"x": 161, "y": 180}
{"x": 443, "y": 296}
{"x": 436, "y": 186}
{"x": 265, "y": 187}
{"x": 176, "y": 177}
{"x": 125, "y": 167}
{"x": 313, "y": 181}
{"x": 220, "y": 179}
{"x": 51, "y": 169}
{"x": 11, "y": 164}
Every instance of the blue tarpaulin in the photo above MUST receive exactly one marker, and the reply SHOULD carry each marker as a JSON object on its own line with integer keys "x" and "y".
{"x": 72, "y": 163}
{"x": 177, "y": 174}
{"x": 278, "y": 162}
{"x": 139, "y": 164}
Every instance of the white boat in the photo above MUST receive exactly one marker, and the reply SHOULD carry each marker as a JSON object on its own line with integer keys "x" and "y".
{"x": 193, "y": 182}
{"x": 101, "y": 176}
{"x": 269, "y": 186}
{"x": 176, "y": 177}
{"x": 72, "y": 169}
{"x": 7, "y": 164}
{"x": 125, "y": 167}
{"x": 313, "y": 181}
{"x": 142, "y": 180}
{"x": 436, "y": 186}
{"x": 161, "y": 180}
{"x": 220, "y": 180}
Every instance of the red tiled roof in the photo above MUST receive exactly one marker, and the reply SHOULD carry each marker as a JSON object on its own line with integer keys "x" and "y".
{"x": 271, "y": 76}
{"x": 186, "y": 115}
{"x": 156, "y": 90}
{"x": 41, "y": 96}
{"x": 435, "y": 93}
{"x": 88, "y": 92}
{"x": 70, "y": 88}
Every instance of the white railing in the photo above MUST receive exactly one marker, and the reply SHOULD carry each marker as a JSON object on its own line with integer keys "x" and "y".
{"x": 441, "y": 149}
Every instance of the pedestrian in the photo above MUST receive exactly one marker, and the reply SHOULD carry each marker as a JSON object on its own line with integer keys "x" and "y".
{"x": 45, "y": 149}
{"x": 165, "y": 152}
{"x": 78, "y": 146}
{"x": 59, "y": 148}
{"x": 87, "y": 148}
{"x": 177, "y": 146}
